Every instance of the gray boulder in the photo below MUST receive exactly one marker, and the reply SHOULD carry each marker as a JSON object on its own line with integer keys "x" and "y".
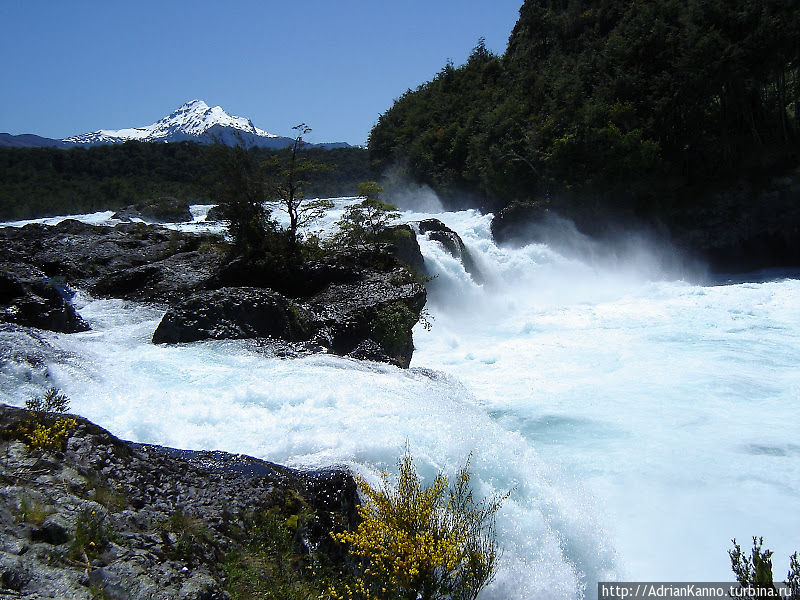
{"x": 164, "y": 210}
{"x": 382, "y": 307}
{"x": 44, "y": 304}
{"x": 232, "y": 313}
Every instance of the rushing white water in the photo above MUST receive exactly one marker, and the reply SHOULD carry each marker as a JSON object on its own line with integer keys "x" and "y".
{"x": 640, "y": 420}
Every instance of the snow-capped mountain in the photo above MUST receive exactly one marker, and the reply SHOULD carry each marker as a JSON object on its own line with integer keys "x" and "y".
{"x": 195, "y": 121}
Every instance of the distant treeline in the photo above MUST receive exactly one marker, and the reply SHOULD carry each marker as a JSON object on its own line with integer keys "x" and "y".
{"x": 608, "y": 106}
{"x": 37, "y": 182}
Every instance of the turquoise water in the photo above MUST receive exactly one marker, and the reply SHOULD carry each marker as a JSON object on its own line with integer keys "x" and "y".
{"x": 640, "y": 416}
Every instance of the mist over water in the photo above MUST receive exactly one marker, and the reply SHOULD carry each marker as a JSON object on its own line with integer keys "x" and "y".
{"x": 639, "y": 417}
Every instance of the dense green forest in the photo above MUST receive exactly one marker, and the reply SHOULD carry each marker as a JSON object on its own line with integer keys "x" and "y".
{"x": 38, "y": 182}
{"x": 607, "y": 106}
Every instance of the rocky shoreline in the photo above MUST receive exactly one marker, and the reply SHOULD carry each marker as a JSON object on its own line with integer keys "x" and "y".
{"x": 332, "y": 304}
{"x": 106, "y": 518}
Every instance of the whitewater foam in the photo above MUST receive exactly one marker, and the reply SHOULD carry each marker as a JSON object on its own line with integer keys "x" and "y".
{"x": 639, "y": 422}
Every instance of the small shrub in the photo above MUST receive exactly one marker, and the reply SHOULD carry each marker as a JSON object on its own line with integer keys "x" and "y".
{"x": 391, "y": 327}
{"x": 362, "y": 224}
{"x": 297, "y": 323}
{"x": 53, "y": 401}
{"x": 42, "y": 431}
{"x": 793, "y": 577}
{"x": 421, "y": 542}
{"x": 91, "y": 535}
{"x": 755, "y": 571}
{"x": 192, "y": 533}
{"x": 44, "y": 436}
{"x": 105, "y": 495}
{"x": 32, "y": 511}
{"x": 271, "y": 560}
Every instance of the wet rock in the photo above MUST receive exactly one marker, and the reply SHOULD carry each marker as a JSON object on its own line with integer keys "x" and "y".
{"x": 437, "y": 231}
{"x": 404, "y": 247}
{"x": 167, "y": 280}
{"x": 346, "y": 315}
{"x": 513, "y": 222}
{"x": 370, "y": 350}
{"x": 164, "y": 210}
{"x": 132, "y": 260}
{"x": 336, "y": 298}
{"x": 44, "y": 304}
{"x": 214, "y": 214}
{"x": 746, "y": 227}
{"x": 232, "y": 313}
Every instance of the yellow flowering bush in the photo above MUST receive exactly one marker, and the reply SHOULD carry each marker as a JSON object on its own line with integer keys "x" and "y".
{"x": 416, "y": 542}
{"x": 42, "y": 430}
{"x": 47, "y": 436}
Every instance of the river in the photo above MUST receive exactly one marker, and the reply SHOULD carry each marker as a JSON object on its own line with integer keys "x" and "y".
{"x": 640, "y": 412}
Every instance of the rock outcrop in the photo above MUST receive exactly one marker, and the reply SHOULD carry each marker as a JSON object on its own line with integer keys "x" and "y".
{"x": 161, "y": 522}
{"x": 751, "y": 225}
{"x": 437, "y": 231}
{"x": 214, "y": 214}
{"x": 164, "y": 210}
{"x": 233, "y": 313}
{"x": 132, "y": 260}
{"x": 345, "y": 316}
{"x": 341, "y": 302}
{"x": 403, "y": 245}
{"x": 42, "y": 303}
{"x": 514, "y": 221}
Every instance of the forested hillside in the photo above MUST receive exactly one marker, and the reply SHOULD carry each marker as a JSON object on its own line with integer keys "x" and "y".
{"x": 37, "y": 182}
{"x": 619, "y": 107}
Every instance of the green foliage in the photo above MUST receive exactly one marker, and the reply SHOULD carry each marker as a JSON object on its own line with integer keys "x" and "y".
{"x": 271, "y": 563}
{"x": 241, "y": 187}
{"x": 287, "y": 179}
{"x": 363, "y": 224}
{"x": 99, "y": 593}
{"x": 104, "y": 494}
{"x": 391, "y": 327}
{"x": 421, "y": 542}
{"x": 191, "y": 533}
{"x": 625, "y": 103}
{"x": 755, "y": 570}
{"x": 32, "y": 511}
{"x": 91, "y": 536}
{"x": 240, "y": 192}
{"x": 297, "y": 323}
{"x": 42, "y": 431}
{"x": 53, "y": 401}
{"x": 793, "y": 576}
{"x": 36, "y": 182}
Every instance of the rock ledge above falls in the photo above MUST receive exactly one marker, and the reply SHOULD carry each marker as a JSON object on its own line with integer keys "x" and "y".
{"x": 332, "y": 304}
{"x": 140, "y": 494}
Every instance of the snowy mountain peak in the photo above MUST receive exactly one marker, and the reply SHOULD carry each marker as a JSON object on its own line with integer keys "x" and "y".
{"x": 193, "y": 121}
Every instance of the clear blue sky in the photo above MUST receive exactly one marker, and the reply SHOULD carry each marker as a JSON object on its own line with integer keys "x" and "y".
{"x": 75, "y": 66}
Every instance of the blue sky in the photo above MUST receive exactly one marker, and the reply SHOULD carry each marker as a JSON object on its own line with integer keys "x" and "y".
{"x": 75, "y": 66}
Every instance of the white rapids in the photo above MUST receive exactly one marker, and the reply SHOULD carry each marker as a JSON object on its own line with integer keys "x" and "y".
{"x": 640, "y": 417}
